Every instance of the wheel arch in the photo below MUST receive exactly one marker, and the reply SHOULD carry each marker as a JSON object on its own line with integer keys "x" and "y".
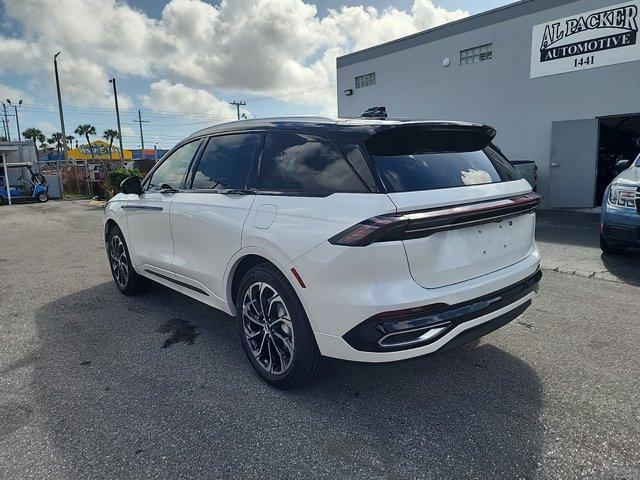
{"x": 246, "y": 259}
{"x": 108, "y": 225}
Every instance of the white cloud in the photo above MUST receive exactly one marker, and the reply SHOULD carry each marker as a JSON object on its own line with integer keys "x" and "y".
{"x": 179, "y": 98}
{"x": 12, "y": 94}
{"x": 260, "y": 46}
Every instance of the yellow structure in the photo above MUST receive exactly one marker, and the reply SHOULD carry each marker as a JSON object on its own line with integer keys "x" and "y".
{"x": 100, "y": 150}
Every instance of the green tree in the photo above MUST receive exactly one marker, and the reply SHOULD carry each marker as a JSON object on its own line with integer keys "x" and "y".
{"x": 32, "y": 134}
{"x": 85, "y": 130}
{"x": 70, "y": 139}
{"x": 110, "y": 135}
{"x": 56, "y": 139}
{"x": 42, "y": 140}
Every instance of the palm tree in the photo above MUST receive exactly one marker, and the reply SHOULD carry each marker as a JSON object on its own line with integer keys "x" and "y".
{"x": 42, "y": 140}
{"x": 110, "y": 135}
{"x": 87, "y": 129}
{"x": 70, "y": 139}
{"x": 56, "y": 139}
{"x": 32, "y": 134}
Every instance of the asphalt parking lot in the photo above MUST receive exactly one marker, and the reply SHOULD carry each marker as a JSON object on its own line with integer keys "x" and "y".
{"x": 97, "y": 385}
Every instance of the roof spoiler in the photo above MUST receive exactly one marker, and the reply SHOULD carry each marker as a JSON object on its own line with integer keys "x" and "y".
{"x": 417, "y": 138}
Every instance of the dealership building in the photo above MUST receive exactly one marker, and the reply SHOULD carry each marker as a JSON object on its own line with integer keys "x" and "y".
{"x": 558, "y": 79}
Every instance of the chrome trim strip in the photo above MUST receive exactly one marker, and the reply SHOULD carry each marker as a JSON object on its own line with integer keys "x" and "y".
{"x": 178, "y": 282}
{"x": 142, "y": 207}
{"x": 430, "y": 332}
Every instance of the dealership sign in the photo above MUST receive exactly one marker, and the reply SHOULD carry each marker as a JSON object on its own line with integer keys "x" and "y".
{"x": 588, "y": 40}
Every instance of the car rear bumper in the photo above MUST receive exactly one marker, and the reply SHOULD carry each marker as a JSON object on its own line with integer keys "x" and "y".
{"x": 462, "y": 333}
{"x": 396, "y": 333}
{"x": 346, "y": 286}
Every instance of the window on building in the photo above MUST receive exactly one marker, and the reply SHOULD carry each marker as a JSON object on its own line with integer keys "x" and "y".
{"x": 366, "y": 80}
{"x": 225, "y": 162}
{"x": 476, "y": 54}
{"x": 304, "y": 164}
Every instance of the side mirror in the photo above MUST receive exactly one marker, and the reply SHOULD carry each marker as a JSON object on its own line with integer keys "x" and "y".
{"x": 131, "y": 185}
{"x": 621, "y": 165}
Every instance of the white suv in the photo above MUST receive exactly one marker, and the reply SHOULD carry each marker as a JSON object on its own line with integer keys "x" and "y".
{"x": 366, "y": 240}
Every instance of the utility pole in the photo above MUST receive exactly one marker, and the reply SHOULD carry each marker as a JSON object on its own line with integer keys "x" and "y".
{"x": 238, "y": 105}
{"x": 115, "y": 94}
{"x": 6, "y": 121}
{"x": 64, "y": 135}
{"x": 15, "y": 108}
{"x": 140, "y": 121}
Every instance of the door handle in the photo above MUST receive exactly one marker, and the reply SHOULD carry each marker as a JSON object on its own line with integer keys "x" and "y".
{"x": 168, "y": 190}
{"x": 555, "y": 165}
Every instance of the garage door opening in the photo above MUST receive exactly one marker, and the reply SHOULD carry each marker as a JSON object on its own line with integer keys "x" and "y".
{"x": 619, "y": 139}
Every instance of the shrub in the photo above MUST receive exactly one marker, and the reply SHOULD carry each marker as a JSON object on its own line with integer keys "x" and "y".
{"x": 118, "y": 175}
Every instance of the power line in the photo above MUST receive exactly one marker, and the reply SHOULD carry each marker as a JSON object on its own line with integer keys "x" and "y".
{"x": 153, "y": 112}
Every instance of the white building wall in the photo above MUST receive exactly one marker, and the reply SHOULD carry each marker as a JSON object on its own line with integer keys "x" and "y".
{"x": 413, "y": 83}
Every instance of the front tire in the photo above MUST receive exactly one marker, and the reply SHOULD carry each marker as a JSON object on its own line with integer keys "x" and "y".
{"x": 43, "y": 197}
{"x": 274, "y": 329}
{"x": 124, "y": 275}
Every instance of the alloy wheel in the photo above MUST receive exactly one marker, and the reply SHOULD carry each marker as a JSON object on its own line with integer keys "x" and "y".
{"x": 119, "y": 261}
{"x": 268, "y": 328}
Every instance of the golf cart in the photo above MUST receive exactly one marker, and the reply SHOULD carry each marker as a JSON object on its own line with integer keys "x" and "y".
{"x": 32, "y": 189}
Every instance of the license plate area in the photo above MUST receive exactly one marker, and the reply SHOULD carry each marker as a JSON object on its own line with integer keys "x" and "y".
{"x": 457, "y": 255}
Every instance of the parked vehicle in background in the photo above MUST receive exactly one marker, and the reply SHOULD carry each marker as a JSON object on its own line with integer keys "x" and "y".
{"x": 529, "y": 171}
{"x": 34, "y": 188}
{"x": 366, "y": 240}
{"x": 620, "y": 218}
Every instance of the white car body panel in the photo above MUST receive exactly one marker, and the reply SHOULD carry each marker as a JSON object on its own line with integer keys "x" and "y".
{"x": 301, "y": 223}
{"x": 207, "y": 231}
{"x": 345, "y": 287}
{"x": 148, "y": 218}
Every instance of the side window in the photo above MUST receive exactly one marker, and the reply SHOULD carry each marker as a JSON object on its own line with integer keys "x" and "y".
{"x": 359, "y": 164}
{"x": 298, "y": 163}
{"x": 172, "y": 170}
{"x": 225, "y": 162}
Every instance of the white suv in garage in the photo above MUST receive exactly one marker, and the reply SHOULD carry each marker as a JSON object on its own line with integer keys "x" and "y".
{"x": 366, "y": 240}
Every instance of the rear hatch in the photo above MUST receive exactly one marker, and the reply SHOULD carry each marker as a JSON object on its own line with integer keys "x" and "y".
{"x": 468, "y": 211}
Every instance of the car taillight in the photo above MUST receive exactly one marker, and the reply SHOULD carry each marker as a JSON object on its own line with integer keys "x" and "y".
{"x": 374, "y": 229}
{"x": 404, "y": 226}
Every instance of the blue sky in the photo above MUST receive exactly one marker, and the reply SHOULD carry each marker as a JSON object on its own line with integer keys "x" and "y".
{"x": 183, "y": 62}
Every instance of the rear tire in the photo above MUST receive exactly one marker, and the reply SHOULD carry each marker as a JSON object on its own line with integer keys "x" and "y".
{"x": 124, "y": 275}
{"x": 274, "y": 329}
{"x": 43, "y": 197}
{"x": 606, "y": 247}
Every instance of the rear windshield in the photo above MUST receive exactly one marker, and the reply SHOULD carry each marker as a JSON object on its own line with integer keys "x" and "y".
{"x": 419, "y": 159}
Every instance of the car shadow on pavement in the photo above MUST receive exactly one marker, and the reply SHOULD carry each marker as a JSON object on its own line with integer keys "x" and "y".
{"x": 158, "y": 386}
{"x": 624, "y": 265}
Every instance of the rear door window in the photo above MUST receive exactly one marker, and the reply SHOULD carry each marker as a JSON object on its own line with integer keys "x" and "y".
{"x": 305, "y": 164}
{"x": 225, "y": 162}
{"x": 424, "y": 159}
